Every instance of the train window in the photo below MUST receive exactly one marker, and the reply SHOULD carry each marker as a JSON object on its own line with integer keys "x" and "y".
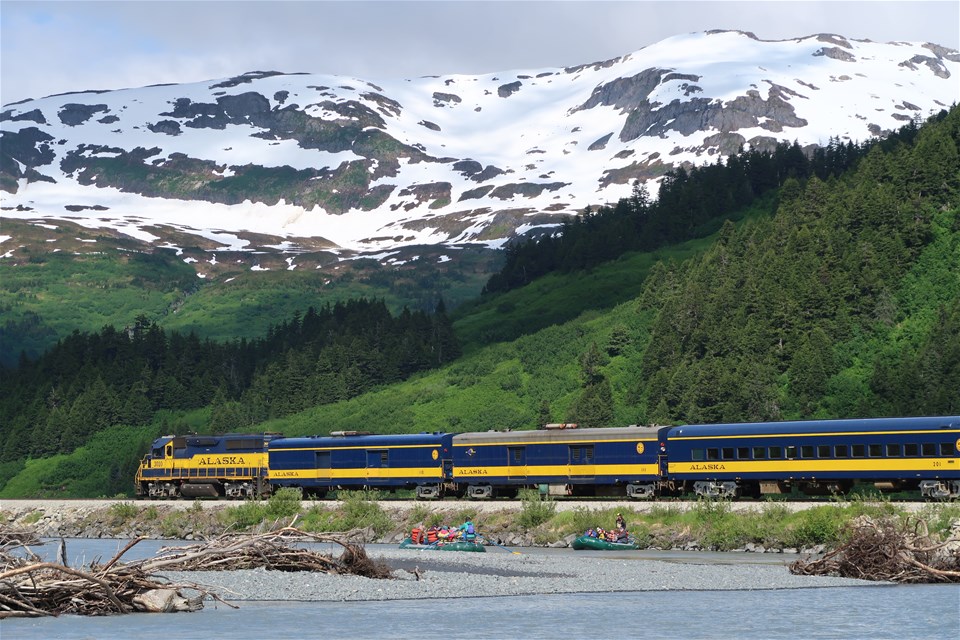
{"x": 791, "y": 452}
{"x": 859, "y": 451}
{"x": 893, "y": 450}
{"x": 696, "y": 454}
{"x": 713, "y": 454}
{"x": 806, "y": 451}
{"x": 322, "y": 459}
{"x": 743, "y": 453}
{"x": 823, "y": 451}
{"x": 875, "y": 450}
{"x": 928, "y": 449}
{"x": 911, "y": 450}
{"x": 384, "y": 457}
{"x": 840, "y": 451}
{"x": 776, "y": 453}
{"x": 946, "y": 448}
{"x": 578, "y": 455}
{"x": 759, "y": 453}
{"x": 727, "y": 453}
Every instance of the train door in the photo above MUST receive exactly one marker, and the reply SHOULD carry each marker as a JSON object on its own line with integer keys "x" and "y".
{"x": 377, "y": 460}
{"x": 516, "y": 463}
{"x": 323, "y": 465}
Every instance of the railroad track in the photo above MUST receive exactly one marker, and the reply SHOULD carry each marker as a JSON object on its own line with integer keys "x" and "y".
{"x": 477, "y": 506}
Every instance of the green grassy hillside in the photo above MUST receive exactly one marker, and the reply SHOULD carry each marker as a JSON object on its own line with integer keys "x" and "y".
{"x": 66, "y": 278}
{"x": 844, "y": 302}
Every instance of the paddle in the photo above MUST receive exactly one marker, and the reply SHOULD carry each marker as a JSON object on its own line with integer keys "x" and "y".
{"x": 497, "y": 544}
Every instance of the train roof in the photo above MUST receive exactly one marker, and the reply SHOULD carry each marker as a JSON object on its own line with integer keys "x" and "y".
{"x": 192, "y": 438}
{"x": 530, "y": 436}
{"x": 817, "y": 426}
{"x": 360, "y": 440}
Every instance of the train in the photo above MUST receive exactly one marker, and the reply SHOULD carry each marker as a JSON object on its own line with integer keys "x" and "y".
{"x": 733, "y": 460}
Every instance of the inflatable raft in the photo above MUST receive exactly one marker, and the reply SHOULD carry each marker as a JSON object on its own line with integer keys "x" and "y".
{"x": 589, "y": 542}
{"x": 455, "y": 545}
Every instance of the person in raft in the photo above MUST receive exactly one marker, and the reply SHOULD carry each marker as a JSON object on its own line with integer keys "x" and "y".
{"x": 467, "y": 531}
{"x": 621, "y": 530}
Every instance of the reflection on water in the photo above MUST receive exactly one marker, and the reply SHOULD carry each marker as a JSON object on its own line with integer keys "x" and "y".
{"x": 927, "y": 612}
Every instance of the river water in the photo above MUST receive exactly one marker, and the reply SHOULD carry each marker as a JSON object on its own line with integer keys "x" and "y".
{"x": 927, "y": 612}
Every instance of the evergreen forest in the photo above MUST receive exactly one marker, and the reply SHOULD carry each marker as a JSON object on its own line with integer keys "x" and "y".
{"x": 770, "y": 286}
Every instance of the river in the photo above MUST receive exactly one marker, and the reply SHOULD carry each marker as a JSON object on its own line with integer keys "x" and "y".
{"x": 927, "y": 612}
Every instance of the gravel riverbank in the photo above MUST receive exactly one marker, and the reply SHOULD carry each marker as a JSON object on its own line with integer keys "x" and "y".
{"x": 501, "y": 573}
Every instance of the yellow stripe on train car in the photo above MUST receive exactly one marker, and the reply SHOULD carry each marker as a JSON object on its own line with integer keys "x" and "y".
{"x": 564, "y": 442}
{"x": 808, "y": 466}
{"x": 818, "y": 434}
{"x": 374, "y": 473}
{"x": 207, "y": 460}
{"x": 366, "y": 447}
{"x": 563, "y": 470}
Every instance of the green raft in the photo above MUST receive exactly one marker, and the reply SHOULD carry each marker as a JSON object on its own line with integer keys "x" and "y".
{"x": 589, "y": 542}
{"x": 456, "y": 545}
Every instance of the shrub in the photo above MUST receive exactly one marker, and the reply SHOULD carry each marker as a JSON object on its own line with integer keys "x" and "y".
{"x": 123, "y": 512}
{"x": 284, "y": 503}
{"x": 248, "y": 514}
{"x": 818, "y": 525}
{"x": 535, "y": 510}
{"x": 357, "y": 510}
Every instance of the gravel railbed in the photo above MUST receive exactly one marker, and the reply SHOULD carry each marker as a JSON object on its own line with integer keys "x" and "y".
{"x": 500, "y": 574}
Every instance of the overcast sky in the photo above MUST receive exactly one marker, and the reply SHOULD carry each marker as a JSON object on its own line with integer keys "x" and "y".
{"x": 55, "y": 47}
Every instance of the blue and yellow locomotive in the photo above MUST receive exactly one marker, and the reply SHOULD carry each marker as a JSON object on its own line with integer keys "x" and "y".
{"x": 230, "y": 466}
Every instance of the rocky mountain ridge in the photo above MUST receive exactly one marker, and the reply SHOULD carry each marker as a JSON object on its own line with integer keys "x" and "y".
{"x": 300, "y": 164}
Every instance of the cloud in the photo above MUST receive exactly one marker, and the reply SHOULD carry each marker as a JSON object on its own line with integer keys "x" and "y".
{"x": 55, "y": 47}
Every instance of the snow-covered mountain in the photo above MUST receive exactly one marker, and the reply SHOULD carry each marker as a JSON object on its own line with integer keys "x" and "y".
{"x": 349, "y": 165}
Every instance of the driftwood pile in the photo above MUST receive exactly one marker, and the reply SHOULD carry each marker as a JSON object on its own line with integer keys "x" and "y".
{"x": 889, "y": 550}
{"x": 32, "y": 588}
{"x": 271, "y": 551}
